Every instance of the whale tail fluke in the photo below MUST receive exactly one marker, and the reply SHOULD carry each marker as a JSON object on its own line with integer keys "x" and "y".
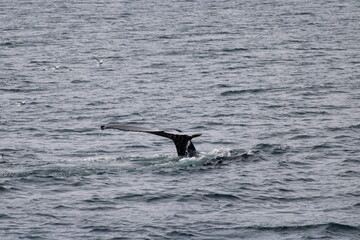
{"x": 182, "y": 140}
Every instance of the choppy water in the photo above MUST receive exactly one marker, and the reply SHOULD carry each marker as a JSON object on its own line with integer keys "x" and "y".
{"x": 272, "y": 85}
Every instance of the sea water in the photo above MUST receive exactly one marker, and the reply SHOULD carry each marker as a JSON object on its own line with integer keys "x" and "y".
{"x": 273, "y": 86}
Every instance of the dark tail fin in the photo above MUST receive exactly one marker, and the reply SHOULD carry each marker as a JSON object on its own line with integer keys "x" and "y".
{"x": 182, "y": 141}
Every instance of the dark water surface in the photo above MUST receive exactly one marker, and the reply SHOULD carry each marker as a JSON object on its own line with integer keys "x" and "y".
{"x": 273, "y": 86}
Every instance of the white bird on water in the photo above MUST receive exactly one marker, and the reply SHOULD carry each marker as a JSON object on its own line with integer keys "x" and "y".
{"x": 22, "y": 102}
{"x": 100, "y": 62}
{"x": 57, "y": 68}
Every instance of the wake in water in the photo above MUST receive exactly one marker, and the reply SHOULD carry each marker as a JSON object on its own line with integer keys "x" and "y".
{"x": 223, "y": 156}
{"x": 137, "y": 163}
{"x": 218, "y": 156}
{"x": 99, "y": 165}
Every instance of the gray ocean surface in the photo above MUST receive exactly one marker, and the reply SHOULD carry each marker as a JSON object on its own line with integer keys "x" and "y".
{"x": 273, "y": 86}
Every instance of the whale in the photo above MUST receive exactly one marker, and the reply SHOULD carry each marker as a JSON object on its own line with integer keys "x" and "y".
{"x": 182, "y": 140}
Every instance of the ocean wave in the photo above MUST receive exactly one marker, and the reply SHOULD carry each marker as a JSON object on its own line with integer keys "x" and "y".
{"x": 4, "y": 216}
{"x": 3, "y": 189}
{"x": 222, "y": 196}
{"x": 327, "y": 227}
{"x": 355, "y": 126}
{"x": 244, "y": 91}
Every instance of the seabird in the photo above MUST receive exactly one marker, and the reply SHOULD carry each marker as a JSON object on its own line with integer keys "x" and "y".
{"x": 100, "y": 62}
{"x": 22, "y": 102}
{"x": 57, "y": 68}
